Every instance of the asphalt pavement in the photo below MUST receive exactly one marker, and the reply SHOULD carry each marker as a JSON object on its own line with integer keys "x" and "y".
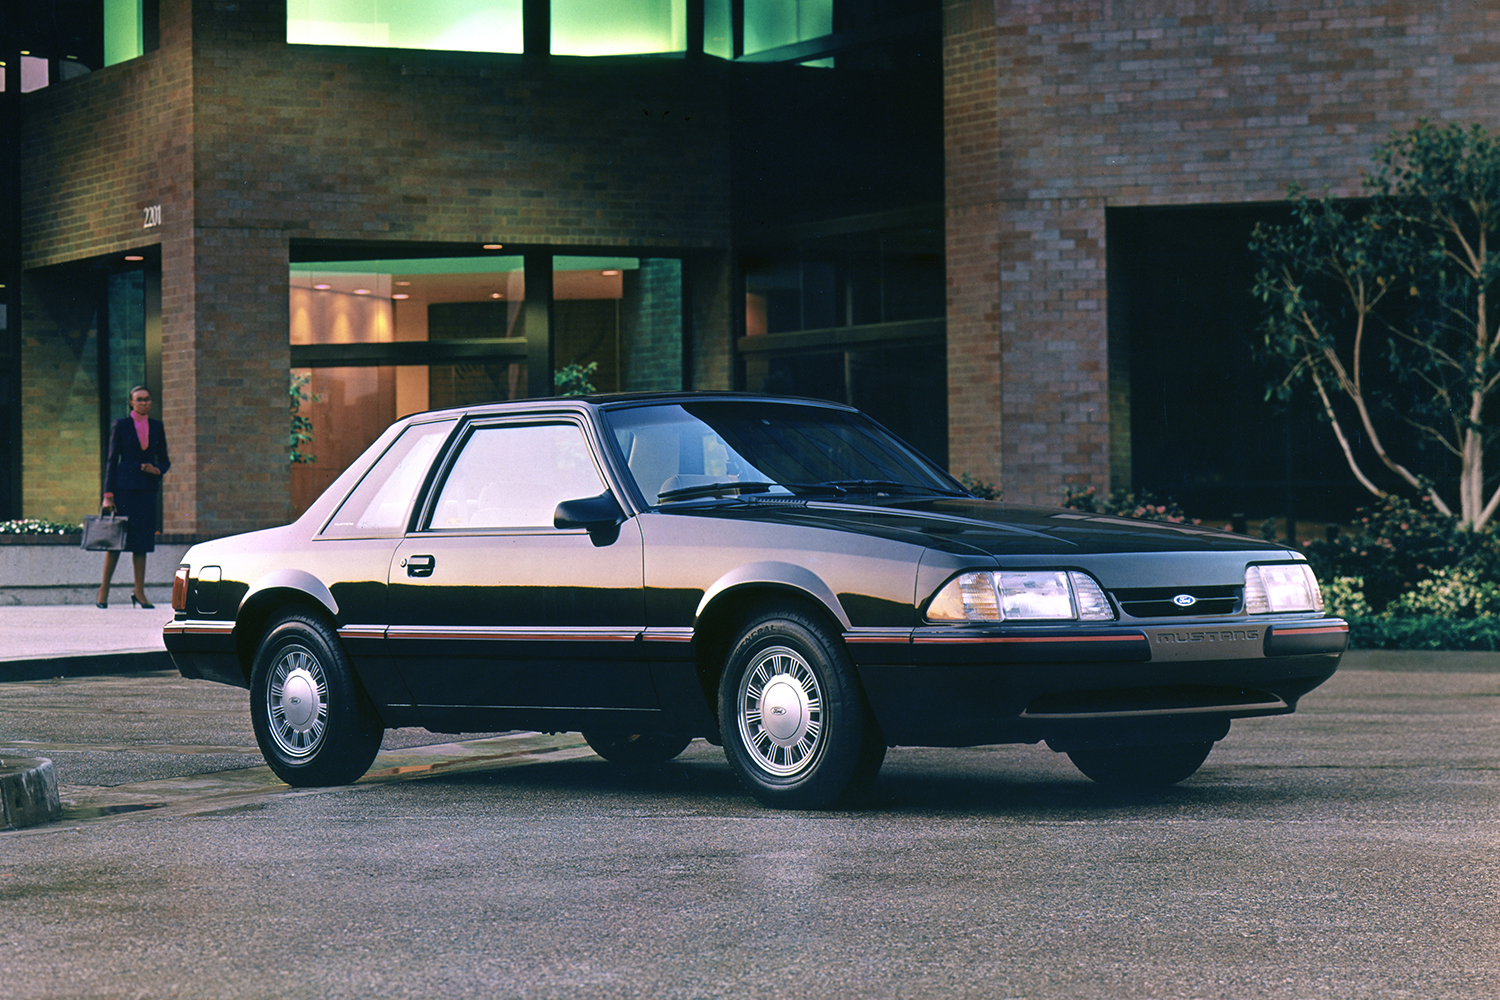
{"x": 1349, "y": 851}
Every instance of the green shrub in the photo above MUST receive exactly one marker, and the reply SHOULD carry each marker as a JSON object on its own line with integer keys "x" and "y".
{"x": 34, "y": 526}
{"x": 1344, "y": 597}
{"x": 1458, "y": 592}
{"x": 1424, "y": 632}
{"x": 1395, "y": 545}
{"x": 575, "y": 379}
{"x": 980, "y": 488}
{"x": 1124, "y": 503}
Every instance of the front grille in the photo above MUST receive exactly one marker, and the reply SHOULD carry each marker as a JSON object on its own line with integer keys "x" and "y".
{"x": 1157, "y": 602}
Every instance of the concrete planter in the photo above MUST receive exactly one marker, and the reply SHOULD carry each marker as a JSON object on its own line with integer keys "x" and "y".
{"x": 52, "y": 569}
{"x": 28, "y": 792}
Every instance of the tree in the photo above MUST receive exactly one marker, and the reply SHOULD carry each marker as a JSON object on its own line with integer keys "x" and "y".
{"x": 1387, "y": 310}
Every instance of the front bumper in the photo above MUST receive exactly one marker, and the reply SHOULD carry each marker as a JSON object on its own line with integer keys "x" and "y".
{"x": 1072, "y": 686}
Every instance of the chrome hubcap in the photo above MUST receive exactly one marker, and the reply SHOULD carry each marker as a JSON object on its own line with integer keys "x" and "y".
{"x": 297, "y": 703}
{"x": 781, "y": 712}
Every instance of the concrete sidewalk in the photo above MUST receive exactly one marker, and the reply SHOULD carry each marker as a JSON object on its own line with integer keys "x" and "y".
{"x": 79, "y": 640}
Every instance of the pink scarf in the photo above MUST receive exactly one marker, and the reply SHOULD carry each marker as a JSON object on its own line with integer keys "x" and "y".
{"x": 142, "y": 430}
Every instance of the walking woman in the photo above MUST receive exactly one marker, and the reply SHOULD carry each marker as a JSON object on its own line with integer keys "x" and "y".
{"x": 132, "y": 476}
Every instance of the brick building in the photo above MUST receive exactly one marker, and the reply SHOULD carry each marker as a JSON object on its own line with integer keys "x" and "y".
{"x": 1014, "y": 231}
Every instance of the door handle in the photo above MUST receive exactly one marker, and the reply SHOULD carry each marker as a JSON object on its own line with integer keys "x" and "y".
{"x": 419, "y": 565}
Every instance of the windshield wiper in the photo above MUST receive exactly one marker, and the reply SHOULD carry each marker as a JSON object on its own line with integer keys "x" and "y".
{"x": 887, "y": 486}
{"x": 714, "y": 490}
{"x": 728, "y": 489}
{"x": 836, "y": 487}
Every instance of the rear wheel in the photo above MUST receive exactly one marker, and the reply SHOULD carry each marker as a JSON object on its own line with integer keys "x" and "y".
{"x": 636, "y": 749}
{"x": 314, "y": 723}
{"x": 1141, "y": 768}
{"x": 794, "y": 721}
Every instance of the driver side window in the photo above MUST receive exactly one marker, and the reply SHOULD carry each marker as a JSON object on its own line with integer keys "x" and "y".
{"x": 514, "y": 476}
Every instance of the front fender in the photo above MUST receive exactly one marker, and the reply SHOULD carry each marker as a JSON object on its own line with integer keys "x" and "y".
{"x": 782, "y": 575}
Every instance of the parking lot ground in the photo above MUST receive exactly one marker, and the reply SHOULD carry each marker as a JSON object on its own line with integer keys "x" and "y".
{"x": 1349, "y": 851}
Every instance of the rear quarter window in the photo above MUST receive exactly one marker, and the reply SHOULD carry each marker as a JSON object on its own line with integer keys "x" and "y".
{"x": 381, "y": 504}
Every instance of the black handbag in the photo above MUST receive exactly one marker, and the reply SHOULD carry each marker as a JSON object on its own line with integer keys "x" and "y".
{"x": 104, "y": 532}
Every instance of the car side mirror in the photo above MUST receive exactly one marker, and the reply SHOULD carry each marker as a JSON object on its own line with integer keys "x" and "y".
{"x": 600, "y": 516}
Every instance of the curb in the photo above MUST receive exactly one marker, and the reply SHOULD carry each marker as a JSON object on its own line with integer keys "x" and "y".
{"x": 86, "y": 665}
{"x": 28, "y": 793}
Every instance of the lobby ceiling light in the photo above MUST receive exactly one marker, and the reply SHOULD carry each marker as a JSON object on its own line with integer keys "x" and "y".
{"x": 361, "y": 291}
{"x": 494, "y": 246}
{"x": 400, "y": 295}
{"x": 322, "y": 287}
{"x": 134, "y": 257}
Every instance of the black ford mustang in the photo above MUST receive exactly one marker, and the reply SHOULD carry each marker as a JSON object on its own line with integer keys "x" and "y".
{"x": 782, "y": 577}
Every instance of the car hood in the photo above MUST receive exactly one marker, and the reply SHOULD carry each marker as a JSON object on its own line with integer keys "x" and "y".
{"x": 980, "y": 526}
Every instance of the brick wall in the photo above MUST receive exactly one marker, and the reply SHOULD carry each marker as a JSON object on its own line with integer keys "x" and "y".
{"x": 712, "y": 298}
{"x": 1099, "y": 103}
{"x": 651, "y": 327}
{"x": 972, "y": 151}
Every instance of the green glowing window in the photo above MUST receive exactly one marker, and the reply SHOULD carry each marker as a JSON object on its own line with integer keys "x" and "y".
{"x": 718, "y": 29}
{"x": 773, "y": 23}
{"x": 456, "y": 25}
{"x": 124, "y": 30}
{"x": 618, "y": 28}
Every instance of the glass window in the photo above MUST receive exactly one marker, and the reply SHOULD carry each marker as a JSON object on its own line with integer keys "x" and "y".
{"x": 618, "y": 28}
{"x": 514, "y": 476}
{"x": 779, "y": 449}
{"x": 903, "y": 386}
{"x": 718, "y": 28}
{"x": 617, "y": 322}
{"x": 35, "y": 73}
{"x": 378, "y": 301}
{"x": 349, "y": 407}
{"x": 454, "y": 25}
{"x": 770, "y": 24}
{"x": 376, "y": 340}
{"x": 381, "y": 503}
{"x": 124, "y": 30}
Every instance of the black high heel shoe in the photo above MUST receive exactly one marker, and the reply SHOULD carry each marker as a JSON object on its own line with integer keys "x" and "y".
{"x": 101, "y": 604}
{"x": 136, "y": 602}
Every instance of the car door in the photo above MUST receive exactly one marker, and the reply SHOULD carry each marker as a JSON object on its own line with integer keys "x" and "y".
{"x": 497, "y": 618}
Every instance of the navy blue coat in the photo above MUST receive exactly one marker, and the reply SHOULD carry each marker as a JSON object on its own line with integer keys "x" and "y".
{"x": 122, "y": 469}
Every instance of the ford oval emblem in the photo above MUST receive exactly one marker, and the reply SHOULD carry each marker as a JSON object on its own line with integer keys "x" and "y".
{"x": 1184, "y": 600}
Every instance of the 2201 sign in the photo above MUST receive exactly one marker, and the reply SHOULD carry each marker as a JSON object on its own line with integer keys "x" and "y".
{"x": 151, "y": 216}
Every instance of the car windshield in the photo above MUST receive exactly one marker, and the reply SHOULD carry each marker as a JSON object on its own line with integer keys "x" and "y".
{"x": 718, "y": 448}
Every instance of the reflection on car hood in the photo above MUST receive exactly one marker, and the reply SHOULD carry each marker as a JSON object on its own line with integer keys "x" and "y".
{"x": 971, "y": 525}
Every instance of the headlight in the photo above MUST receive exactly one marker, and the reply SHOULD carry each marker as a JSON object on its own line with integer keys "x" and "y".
{"x": 1020, "y": 595}
{"x": 1282, "y": 587}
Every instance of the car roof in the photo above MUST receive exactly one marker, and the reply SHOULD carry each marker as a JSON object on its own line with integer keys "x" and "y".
{"x": 611, "y": 400}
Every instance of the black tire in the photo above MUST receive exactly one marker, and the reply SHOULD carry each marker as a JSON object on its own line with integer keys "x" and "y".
{"x": 636, "y": 749}
{"x": 823, "y": 745}
{"x": 314, "y": 723}
{"x": 1141, "y": 768}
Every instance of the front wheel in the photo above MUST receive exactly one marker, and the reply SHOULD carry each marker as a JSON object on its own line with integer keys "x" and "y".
{"x": 796, "y": 728}
{"x": 314, "y": 724}
{"x": 1141, "y": 768}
